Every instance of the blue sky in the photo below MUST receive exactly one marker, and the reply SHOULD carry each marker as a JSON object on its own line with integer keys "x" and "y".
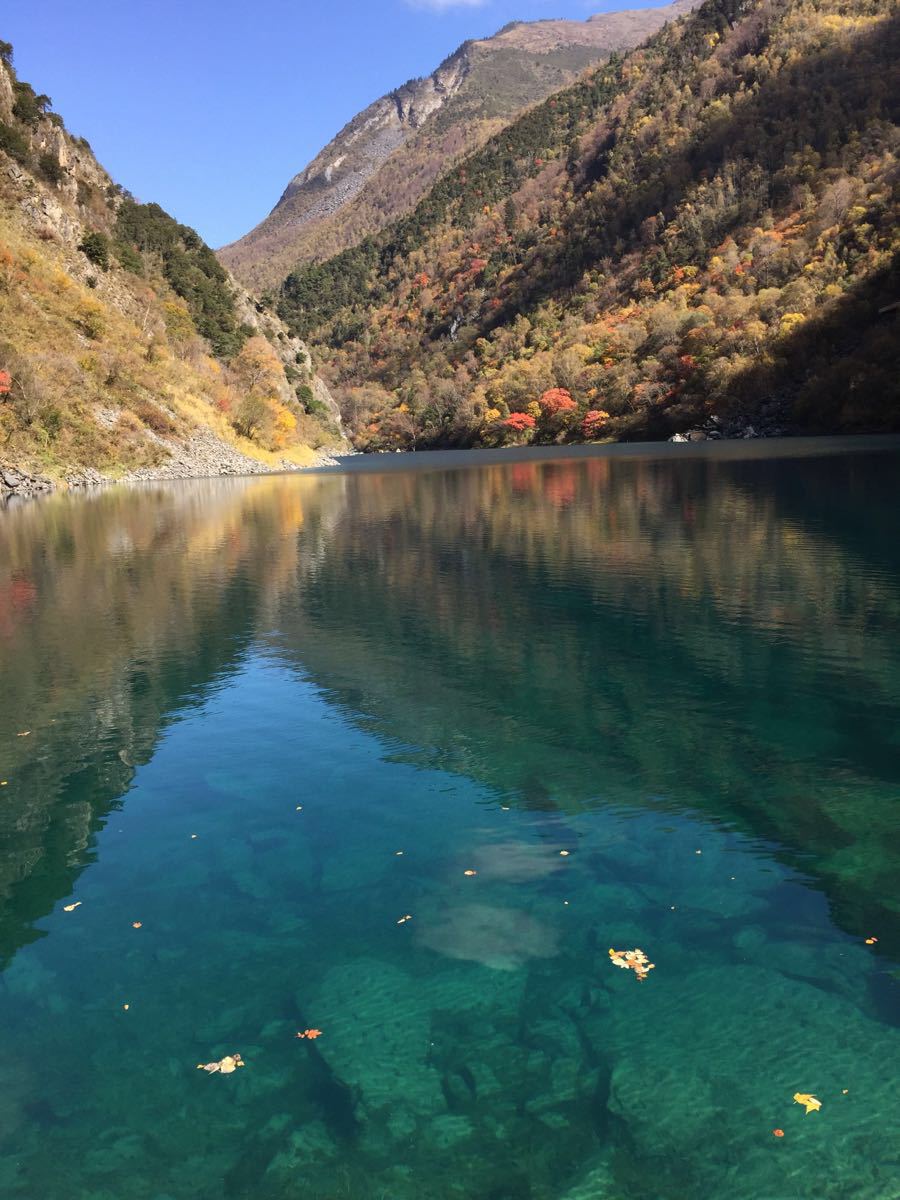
{"x": 210, "y": 106}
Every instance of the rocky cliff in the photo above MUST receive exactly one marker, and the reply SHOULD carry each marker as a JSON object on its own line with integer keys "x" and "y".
{"x": 386, "y": 158}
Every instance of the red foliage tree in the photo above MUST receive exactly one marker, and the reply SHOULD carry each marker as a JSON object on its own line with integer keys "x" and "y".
{"x": 556, "y": 400}
{"x": 519, "y": 422}
{"x": 594, "y": 422}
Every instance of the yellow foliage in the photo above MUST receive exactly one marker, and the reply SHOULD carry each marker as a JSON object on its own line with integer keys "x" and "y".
{"x": 90, "y": 318}
{"x": 790, "y": 321}
{"x": 179, "y": 325}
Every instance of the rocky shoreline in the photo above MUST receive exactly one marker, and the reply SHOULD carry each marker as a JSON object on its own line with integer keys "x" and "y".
{"x": 204, "y": 456}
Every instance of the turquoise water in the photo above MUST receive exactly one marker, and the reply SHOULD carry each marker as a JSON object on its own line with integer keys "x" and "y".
{"x": 649, "y": 700}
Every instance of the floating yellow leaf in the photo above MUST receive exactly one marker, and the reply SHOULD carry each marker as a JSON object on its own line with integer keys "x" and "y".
{"x": 632, "y": 960}
{"x": 810, "y": 1103}
{"x": 71, "y": 907}
{"x": 225, "y": 1066}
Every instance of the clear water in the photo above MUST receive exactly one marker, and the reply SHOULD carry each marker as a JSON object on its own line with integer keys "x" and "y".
{"x": 244, "y": 699}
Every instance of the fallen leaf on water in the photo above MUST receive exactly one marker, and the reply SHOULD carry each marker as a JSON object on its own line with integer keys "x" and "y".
{"x": 632, "y": 960}
{"x": 810, "y": 1103}
{"x": 778, "y": 1132}
{"x": 310, "y": 1034}
{"x": 136, "y": 924}
{"x": 71, "y": 907}
{"x": 225, "y": 1066}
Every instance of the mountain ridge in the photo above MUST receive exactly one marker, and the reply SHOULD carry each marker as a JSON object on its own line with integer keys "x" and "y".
{"x": 383, "y": 160}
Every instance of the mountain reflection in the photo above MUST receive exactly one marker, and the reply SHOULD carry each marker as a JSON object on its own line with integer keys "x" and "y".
{"x": 701, "y": 635}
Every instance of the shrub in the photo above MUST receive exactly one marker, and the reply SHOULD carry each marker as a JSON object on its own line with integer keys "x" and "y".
{"x": 89, "y": 318}
{"x": 95, "y": 246}
{"x": 129, "y": 258}
{"x": 13, "y": 143}
{"x": 253, "y": 417}
{"x": 49, "y": 167}
{"x": 594, "y": 422}
{"x": 153, "y": 417}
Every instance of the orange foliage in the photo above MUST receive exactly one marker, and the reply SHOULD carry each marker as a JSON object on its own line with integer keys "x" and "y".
{"x": 556, "y": 400}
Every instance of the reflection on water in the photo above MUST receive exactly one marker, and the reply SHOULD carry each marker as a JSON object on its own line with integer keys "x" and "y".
{"x": 537, "y": 708}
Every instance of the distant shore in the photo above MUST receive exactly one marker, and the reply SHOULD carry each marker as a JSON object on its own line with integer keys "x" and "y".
{"x": 19, "y": 484}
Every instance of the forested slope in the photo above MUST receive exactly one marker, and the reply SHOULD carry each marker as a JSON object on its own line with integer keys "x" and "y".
{"x": 705, "y": 230}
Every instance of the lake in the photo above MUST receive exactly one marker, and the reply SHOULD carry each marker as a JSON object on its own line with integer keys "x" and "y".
{"x": 392, "y": 757}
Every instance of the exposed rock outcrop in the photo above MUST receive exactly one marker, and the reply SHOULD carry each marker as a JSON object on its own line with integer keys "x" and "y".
{"x": 387, "y": 157}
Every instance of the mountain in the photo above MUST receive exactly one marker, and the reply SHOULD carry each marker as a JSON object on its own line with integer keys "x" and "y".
{"x": 699, "y": 237}
{"x": 382, "y": 163}
{"x": 124, "y": 343}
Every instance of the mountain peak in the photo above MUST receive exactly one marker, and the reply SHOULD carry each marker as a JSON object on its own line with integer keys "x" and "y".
{"x": 385, "y": 159}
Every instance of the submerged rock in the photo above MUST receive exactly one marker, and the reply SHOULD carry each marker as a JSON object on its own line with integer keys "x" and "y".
{"x": 501, "y": 938}
{"x": 708, "y": 1063}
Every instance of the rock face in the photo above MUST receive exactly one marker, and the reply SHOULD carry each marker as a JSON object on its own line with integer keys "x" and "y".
{"x": 6, "y": 95}
{"x": 385, "y": 159}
